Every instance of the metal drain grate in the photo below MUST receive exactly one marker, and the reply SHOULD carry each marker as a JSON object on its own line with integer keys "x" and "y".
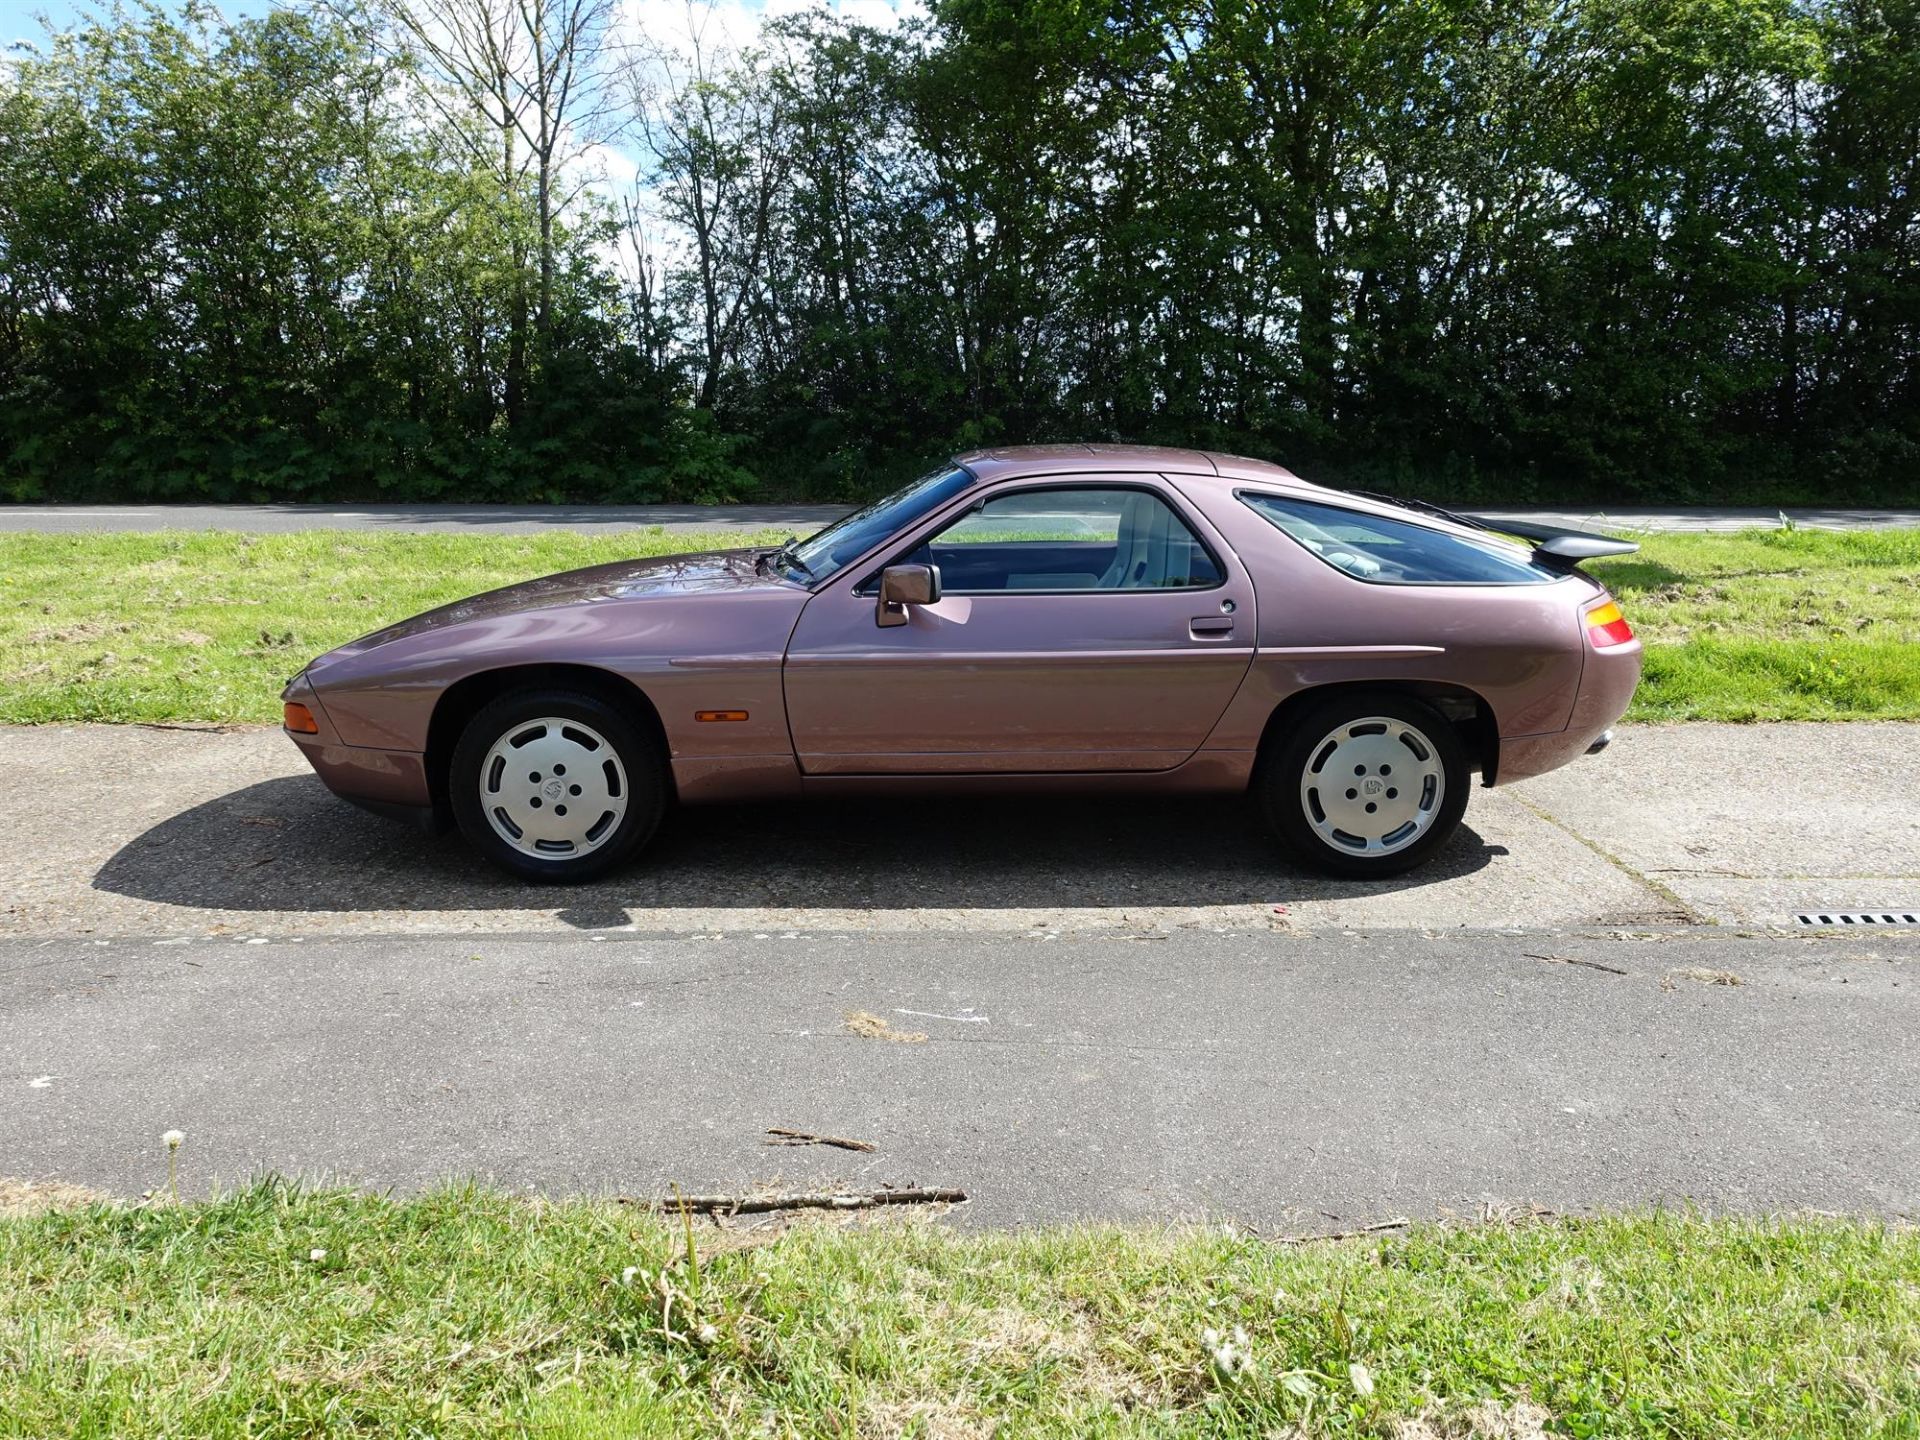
{"x": 1861, "y": 917}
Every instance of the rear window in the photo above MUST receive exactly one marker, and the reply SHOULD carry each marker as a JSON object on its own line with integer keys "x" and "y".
{"x": 1397, "y": 552}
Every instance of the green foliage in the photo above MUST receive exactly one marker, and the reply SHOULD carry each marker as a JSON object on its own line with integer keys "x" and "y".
{"x": 1519, "y": 249}
{"x": 278, "y": 1311}
{"x": 237, "y": 268}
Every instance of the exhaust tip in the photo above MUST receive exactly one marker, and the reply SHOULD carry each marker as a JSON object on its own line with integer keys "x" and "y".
{"x": 1605, "y": 739}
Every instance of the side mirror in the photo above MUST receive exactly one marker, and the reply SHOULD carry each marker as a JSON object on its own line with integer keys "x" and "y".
{"x": 904, "y": 585}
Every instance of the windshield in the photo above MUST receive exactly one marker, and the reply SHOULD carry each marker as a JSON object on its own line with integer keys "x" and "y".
{"x": 845, "y": 541}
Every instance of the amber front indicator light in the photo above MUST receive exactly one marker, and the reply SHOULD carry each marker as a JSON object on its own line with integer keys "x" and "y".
{"x": 709, "y": 716}
{"x": 1606, "y": 626}
{"x": 300, "y": 720}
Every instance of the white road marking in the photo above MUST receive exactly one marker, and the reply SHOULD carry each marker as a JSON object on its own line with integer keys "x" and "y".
{"x": 929, "y": 1015}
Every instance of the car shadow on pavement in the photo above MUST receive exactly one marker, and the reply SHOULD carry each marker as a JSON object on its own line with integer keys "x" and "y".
{"x": 289, "y": 845}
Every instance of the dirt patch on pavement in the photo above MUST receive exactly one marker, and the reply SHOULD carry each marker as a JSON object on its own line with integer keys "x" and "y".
{"x": 869, "y": 1026}
{"x": 1701, "y": 975}
{"x": 19, "y": 1198}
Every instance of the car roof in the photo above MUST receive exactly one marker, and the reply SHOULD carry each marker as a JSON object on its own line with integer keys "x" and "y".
{"x": 1223, "y": 471}
{"x": 1014, "y": 460}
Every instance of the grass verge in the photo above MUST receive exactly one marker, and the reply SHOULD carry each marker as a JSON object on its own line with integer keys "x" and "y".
{"x": 207, "y": 626}
{"x": 280, "y": 1312}
{"x": 1775, "y": 624}
{"x": 1765, "y": 625}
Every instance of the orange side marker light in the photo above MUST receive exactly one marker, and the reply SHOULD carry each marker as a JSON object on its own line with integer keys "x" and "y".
{"x": 708, "y": 715}
{"x": 299, "y": 719}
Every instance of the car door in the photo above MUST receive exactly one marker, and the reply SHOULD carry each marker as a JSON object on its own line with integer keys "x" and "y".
{"x": 1090, "y": 624}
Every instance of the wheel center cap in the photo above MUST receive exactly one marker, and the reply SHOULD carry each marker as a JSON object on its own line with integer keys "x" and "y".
{"x": 554, "y": 789}
{"x": 1373, "y": 787}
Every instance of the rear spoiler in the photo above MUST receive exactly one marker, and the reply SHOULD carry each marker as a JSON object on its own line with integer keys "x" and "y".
{"x": 1555, "y": 545}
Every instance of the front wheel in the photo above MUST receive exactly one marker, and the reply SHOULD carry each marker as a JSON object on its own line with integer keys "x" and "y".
{"x": 556, "y": 785}
{"x": 1366, "y": 786}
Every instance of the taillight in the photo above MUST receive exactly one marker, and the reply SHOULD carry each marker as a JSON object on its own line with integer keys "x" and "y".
{"x": 1606, "y": 626}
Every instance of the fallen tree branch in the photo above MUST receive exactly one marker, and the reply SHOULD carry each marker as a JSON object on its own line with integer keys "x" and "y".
{"x": 1373, "y": 1229}
{"x": 761, "y": 1204}
{"x": 804, "y": 1137}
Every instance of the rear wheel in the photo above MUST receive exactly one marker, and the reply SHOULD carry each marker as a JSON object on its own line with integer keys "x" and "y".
{"x": 556, "y": 785}
{"x": 1366, "y": 785}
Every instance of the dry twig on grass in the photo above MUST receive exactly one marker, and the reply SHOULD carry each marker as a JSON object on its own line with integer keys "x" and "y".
{"x": 762, "y": 1204}
{"x": 1315, "y": 1238}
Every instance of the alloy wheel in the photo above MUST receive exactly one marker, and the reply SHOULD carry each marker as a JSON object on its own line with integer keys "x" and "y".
{"x": 1373, "y": 786}
{"x": 553, "y": 787}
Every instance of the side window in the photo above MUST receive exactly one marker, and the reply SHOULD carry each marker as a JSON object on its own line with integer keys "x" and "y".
{"x": 1070, "y": 540}
{"x": 1397, "y": 552}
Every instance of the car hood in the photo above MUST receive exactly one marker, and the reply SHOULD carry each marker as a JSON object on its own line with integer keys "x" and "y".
{"x": 715, "y": 572}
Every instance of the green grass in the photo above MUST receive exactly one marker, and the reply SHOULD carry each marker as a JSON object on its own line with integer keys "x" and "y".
{"x": 1775, "y": 624}
{"x": 1766, "y": 625}
{"x": 466, "y": 1312}
{"x": 209, "y": 626}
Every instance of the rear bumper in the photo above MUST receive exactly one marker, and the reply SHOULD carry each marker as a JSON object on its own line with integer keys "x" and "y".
{"x": 1606, "y": 689}
{"x": 389, "y": 783}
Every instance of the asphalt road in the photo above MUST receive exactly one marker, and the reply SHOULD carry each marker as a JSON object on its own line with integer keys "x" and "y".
{"x": 1137, "y": 1011}
{"x": 530, "y": 519}
{"x": 1286, "y": 1082}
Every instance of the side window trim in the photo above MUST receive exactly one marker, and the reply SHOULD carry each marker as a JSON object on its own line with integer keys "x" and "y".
{"x": 865, "y": 588}
{"x": 1247, "y": 495}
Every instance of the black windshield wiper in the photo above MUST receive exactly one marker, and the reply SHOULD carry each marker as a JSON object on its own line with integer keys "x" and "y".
{"x": 788, "y": 554}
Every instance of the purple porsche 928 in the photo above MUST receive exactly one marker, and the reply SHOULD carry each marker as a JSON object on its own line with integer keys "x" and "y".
{"x": 1059, "y": 619}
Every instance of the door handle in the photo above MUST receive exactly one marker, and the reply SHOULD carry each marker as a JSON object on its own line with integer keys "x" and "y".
{"x": 1210, "y": 626}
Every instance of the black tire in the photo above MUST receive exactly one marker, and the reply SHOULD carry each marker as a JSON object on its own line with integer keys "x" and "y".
{"x": 639, "y": 754}
{"x": 1306, "y": 743}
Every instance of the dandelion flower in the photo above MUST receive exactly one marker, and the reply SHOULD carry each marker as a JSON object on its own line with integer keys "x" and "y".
{"x": 708, "y": 1334}
{"x": 1362, "y": 1379}
{"x": 173, "y": 1139}
{"x": 1231, "y": 1354}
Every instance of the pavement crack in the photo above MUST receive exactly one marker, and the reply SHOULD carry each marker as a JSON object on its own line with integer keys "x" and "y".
{"x": 1679, "y": 906}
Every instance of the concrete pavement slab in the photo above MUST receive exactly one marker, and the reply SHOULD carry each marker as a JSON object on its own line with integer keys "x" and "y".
{"x": 1748, "y": 824}
{"x": 141, "y": 830}
{"x": 1285, "y": 1081}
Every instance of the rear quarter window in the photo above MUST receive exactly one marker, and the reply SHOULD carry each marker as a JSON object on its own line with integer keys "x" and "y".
{"x": 1396, "y": 552}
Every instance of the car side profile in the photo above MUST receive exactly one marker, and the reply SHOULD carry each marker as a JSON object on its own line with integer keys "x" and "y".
{"x": 1064, "y": 619}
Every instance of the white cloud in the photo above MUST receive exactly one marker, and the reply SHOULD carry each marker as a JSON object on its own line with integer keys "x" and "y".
{"x": 607, "y": 167}
{"x": 735, "y": 24}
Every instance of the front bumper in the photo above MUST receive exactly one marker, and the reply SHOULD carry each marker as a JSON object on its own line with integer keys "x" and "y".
{"x": 390, "y": 783}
